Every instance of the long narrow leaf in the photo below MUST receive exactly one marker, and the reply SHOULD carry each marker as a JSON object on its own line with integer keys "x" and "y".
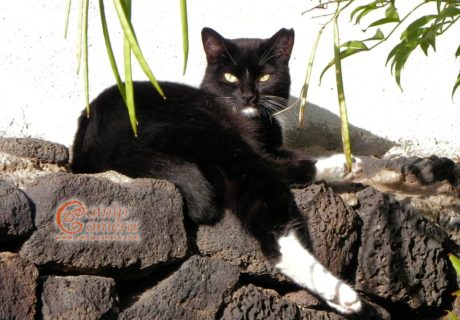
{"x": 108, "y": 46}
{"x": 342, "y": 55}
{"x": 130, "y": 104}
{"x": 130, "y": 36}
{"x": 184, "y": 21}
{"x": 67, "y": 15}
{"x": 80, "y": 34}
{"x": 457, "y": 84}
{"x": 455, "y": 263}
{"x": 85, "y": 54}
{"x": 306, "y": 85}
{"x": 341, "y": 97}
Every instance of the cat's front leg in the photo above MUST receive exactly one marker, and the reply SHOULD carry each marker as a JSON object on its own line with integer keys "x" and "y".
{"x": 301, "y": 266}
{"x": 335, "y": 169}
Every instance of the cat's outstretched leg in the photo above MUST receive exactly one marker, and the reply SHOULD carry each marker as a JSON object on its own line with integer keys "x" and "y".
{"x": 334, "y": 168}
{"x": 300, "y": 265}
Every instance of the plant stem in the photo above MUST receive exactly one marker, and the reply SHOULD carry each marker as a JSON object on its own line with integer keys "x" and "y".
{"x": 341, "y": 93}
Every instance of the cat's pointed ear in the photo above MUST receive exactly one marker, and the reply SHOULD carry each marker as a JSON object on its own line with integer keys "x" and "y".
{"x": 282, "y": 42}
{"x": 213, "y": 43}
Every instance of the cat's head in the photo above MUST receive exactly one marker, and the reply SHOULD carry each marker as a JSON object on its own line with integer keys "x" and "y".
{"x": 251, "y": 76}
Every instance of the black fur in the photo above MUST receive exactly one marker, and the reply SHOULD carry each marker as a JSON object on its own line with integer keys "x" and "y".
{"x": 200, "y": 140}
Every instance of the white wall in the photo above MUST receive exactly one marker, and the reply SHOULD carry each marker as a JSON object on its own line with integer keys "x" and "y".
{"x": 41, "y": 96}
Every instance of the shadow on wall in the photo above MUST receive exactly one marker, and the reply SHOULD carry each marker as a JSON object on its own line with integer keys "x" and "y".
{"x": 321, "y": 133}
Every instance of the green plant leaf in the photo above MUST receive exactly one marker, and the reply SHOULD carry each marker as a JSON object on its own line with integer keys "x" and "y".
{"x": 456, "y": 85}
{"x": 457, "y": 53}
{"x": 377, "y": 36}
{"x": 399, "y": 54}
{"x": 130, "y": 36}
{"x": 455, "y": 263}
{"x": 451, "y": 316}
{"x": 85, "y": 53}
{"x": 364, "y": 10}
{"x": 391, "y": 16}
{"x": 349, "y": 51}
{"x": 130, "y": 103}
{"x": 80, "y": 34}
{"x": 341, "y": 96}
{"x": 184, "y": 21}
{"x": 67, "y": 15}
{"x": 416, "y": 25}
{"x": 306, "y": 85}
{"x": 108, "y": 45}
{"x": 448, "y": 12}
{"x": 354, "y": 45}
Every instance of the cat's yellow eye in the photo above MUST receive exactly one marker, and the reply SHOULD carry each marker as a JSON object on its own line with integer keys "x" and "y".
{"x": 230, "y": 77}
{"x": 265, "y": 77}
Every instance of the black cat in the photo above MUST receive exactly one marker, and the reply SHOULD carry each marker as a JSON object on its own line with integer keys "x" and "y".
{"x": 221, "y": 146}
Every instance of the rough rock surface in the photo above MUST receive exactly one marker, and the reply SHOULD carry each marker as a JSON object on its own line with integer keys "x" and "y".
{"x": 196, "y": 291}
{"x": 93, "y": 224}
{"x": 15, "y": 213}
{"x": 18, "y": 284}
{"x": 402, "y": 258}
{"x": 251, "y": 302}
{"x": 333, "y": 229}
{"x": 43, "y": 151}
{"x": 78, "y": 297}
{"x": 229, "y": 241}
{"x": 333, "y": 234}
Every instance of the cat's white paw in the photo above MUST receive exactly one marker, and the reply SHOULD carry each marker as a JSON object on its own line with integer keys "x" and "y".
{"x": 335, "y": 169}
{"x": 346, "y": 301}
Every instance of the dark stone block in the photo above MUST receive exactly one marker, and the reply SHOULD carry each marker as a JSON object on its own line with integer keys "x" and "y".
{"x": 78, "y": 297}
{"x": 15, "y": 213}
{"x": 402, "y": 257}
{"x": 105, "y": 223}
{"x": 196, "y": 291}
{"x": 44, "y": 151}
{"x": 250, "y": 302}
{"x": 18, "y": 284}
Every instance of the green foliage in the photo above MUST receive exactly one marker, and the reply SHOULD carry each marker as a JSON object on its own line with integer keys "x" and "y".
{"x": 131, "y": 46}
{"x": 421, "y": 32}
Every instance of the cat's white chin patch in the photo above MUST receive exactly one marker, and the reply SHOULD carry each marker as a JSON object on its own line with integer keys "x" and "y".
{"x": 300, "y": 265}
{"x": 250, "y": 112}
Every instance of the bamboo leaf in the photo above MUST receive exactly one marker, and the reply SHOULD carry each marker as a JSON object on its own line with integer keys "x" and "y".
{"x": 306, "y": 85}
{"x": 392, "y": 13}
{"x": 451, "y": 316}
{"x": 391, "y": 16}
{"x": 184, "y": 21}
{"x": 85, "y": 53}
{"x": 354, "y": 45}
{"x": 130, "y": 36}
{"x": 342, "y": 55}
{"x": 130, "y": 103}
{"x": 80, "y": 34}
{"x": 377, "y": 36}
{"x": 455, "y": 263}
{"x": 365, "y": 10}
{"x": 448, "y": 12}
{"x": 341, "y": 96}
{"x": 108, "y": 45}
{"x": 457, "y": 53}
{"x": 456, "y": 85}
{"x": 382, "y": 21}
{"x": 67, "y": 15}
{"x": 416, "y": 25}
